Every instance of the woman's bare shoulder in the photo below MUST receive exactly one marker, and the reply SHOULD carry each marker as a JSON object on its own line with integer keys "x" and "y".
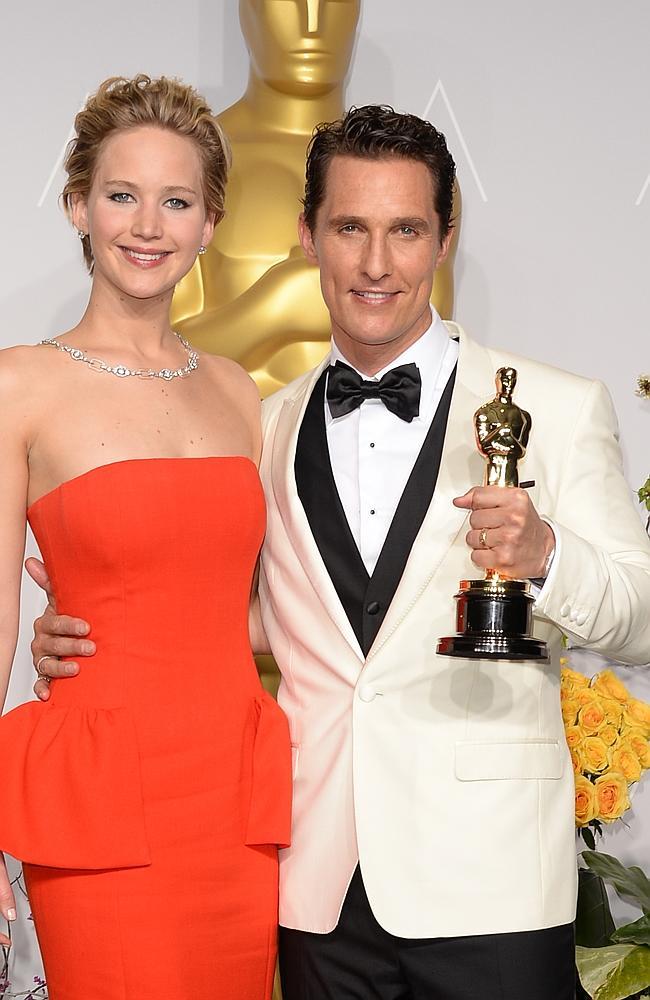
{"x": 26, "y": 370}
{"x": 230, "y": 374}
{"x": 19, "y": 363}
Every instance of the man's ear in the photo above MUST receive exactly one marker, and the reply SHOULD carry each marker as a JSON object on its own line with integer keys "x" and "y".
{"x": 306, "y": 240}
{"x": 443, "y": 250}
{"x": 79, "y": 213}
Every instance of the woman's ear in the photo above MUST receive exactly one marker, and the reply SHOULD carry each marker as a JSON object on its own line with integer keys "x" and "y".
{"x": 211, "y": 220}
{"x": 79, "y": 213}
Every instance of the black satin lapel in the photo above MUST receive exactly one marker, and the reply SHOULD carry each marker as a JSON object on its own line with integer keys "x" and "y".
{"x": 406, "y": 523}
{"x": 322, "y": 504}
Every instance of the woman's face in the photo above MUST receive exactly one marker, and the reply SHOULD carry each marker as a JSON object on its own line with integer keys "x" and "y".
{"x": 300, "y": 46}
{"x": 145, "y": 212}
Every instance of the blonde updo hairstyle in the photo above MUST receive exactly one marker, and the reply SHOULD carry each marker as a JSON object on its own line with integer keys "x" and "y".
{"x": 121, "y": 104}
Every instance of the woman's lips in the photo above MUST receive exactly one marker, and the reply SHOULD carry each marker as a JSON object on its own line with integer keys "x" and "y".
{"x": 144, "y": 258}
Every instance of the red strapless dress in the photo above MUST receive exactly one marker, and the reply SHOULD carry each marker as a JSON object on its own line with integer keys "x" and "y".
{"x": 147, "y": 797}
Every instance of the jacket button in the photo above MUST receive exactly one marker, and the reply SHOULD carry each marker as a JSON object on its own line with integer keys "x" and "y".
{"x": 373, "y": 607}
{"x": 565, "y": 610}
{"x": 582, "y": 618}
{"x": 367, "y": 693}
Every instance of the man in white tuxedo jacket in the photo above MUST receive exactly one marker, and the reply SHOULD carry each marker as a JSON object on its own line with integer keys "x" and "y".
{"x": 433, "y": 845}
{"x": 433, "y": 850}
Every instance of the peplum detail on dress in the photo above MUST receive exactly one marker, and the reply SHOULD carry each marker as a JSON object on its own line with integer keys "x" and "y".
{"x": 72, "y": 788}
{"x": 269, "y": 812}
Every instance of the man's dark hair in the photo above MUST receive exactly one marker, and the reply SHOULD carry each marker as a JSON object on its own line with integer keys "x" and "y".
{"x": 377, "y": 132}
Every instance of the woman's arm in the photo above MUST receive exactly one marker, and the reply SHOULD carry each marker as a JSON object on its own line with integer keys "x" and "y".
{"x": 14, "y": 476}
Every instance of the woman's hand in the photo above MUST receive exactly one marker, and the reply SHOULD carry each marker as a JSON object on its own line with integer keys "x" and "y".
{"x": 7, "y": 901}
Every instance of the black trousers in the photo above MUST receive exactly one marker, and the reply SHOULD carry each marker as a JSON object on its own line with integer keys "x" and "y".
{"x": 359, "y": 960}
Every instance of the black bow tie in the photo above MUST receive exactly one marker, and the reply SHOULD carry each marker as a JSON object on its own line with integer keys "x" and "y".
{"x": 399, "y": 390}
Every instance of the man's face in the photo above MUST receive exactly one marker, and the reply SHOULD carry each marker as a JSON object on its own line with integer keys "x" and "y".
{"x": 377, "y": 243}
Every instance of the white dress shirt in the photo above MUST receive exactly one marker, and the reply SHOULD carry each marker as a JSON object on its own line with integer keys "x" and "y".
{"x": 373, "y": 451}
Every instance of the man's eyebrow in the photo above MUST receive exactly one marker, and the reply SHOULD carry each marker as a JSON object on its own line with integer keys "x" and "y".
{"x": 414, "y": 221}
{"x": 346, "y": 220}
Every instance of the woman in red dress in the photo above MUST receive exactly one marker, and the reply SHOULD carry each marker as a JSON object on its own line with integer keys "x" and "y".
{"x": 147, "y": 796}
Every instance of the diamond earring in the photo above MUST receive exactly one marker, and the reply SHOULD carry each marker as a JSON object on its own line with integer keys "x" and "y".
{"x": 201, "y": 249}
{"x": 81, "y": 234}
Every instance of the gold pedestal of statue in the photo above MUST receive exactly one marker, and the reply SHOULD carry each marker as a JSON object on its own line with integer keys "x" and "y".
{"x": 494, "y": 615}
{"x": 253, "y": 297}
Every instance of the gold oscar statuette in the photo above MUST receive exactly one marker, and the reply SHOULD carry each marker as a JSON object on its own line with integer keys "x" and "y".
{"x": 253, "y": 296}
{"x": 494, "y": 615}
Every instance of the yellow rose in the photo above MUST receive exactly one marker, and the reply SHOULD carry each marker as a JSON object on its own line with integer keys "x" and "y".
{"x": 624, "y": 759}
{"x": 608, "y": 684}
{"x": 591, "y": 717}
{"x": 611, "y": 796}
{"x": 641, "y": 746}
{"x": 613, "y": 711}
{"x": 573, "y": 736}
{"x": 576, "y": 763}
{"x": 585, "y": 800}
{"x": 608, "y": 734}
{"x": 585, "y": 696}
{"x": 571, "y": 678}
{"x": 594, "y": 755}
{"x": 570, "y": 709}
{"x": 637, "y": 715}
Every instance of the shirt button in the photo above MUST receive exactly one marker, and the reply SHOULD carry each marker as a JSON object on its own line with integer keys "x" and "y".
{"x": 373, "y": 607}
{"x": 372, "y": 510}
{"x": 372, "y": 444}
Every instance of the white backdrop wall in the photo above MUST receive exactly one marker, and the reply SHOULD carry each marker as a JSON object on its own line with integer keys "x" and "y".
{"x": 545, "y": 108}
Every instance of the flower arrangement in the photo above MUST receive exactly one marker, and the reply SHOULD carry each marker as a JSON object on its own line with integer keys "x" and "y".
{"x": 608, "y": 734}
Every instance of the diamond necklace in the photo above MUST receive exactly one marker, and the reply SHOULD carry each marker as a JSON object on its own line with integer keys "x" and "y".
{"x": 122, "y": 371}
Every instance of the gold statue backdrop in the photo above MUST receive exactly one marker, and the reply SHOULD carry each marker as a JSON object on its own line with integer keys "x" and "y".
{"x": 253, "y": 297}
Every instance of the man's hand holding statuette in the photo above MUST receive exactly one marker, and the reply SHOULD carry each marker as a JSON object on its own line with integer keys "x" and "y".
{"x": 506, "y": 532}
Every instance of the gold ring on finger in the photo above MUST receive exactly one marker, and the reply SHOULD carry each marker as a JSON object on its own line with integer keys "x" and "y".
{"x": 482, "y": 538}
{"x": 42, "y": 676}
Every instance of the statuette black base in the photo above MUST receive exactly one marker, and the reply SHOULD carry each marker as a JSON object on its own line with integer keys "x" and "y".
{"x": 494, "y": 622}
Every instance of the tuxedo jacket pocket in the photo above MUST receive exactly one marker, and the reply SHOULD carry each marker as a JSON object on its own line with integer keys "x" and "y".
{"x": 509, "y": 759}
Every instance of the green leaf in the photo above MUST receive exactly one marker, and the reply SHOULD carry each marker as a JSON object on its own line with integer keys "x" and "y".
{"x": 588, "y": 837}
{"x": 630, "y": 883}
{"x": 635, "y": 933}
{"x": 644, "y": 493}
{"x": 594, "y": 923}
{"x": 615, "y": 972}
